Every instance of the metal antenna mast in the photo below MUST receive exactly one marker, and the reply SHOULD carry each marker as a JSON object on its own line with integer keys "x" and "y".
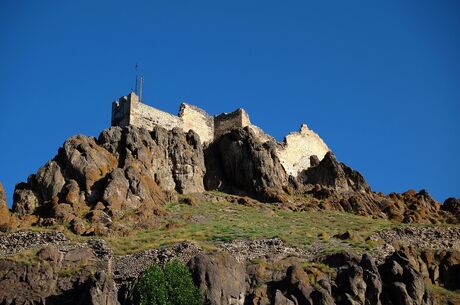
{"x": 141, "y": 81}
{"x": 137, "y": 76}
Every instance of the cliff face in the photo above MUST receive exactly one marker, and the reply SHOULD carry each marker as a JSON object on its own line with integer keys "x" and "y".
{"x": 127, "y": 175}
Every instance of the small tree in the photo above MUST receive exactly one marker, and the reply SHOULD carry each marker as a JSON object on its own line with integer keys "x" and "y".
{"x": 171, "y": 285}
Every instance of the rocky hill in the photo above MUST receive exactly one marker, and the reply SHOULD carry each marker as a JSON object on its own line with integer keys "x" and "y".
{"x": 86, "y": 224}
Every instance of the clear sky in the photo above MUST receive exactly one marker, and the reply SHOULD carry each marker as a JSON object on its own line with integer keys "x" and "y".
{"x": 378, "y": 80}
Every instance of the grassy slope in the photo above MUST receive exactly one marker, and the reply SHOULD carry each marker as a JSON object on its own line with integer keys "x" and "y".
{"x": 210, "y": 223}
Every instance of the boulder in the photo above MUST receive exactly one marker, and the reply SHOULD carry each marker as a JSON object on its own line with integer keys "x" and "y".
{"x": 221, "y": 277}
{"x": 25, "y": 201}
{"x": 85, "y": 161}
{"x": 48, "y": 181}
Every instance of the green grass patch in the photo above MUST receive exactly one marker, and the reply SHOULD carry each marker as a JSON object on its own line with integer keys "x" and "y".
{"x": 211, "y": 223}
{"x": 443, "y": 295}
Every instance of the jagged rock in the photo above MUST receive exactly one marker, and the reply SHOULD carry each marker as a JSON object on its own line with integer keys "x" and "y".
{"x": 5, "y": 217}
{"x": 85, "y": 161}
{"x": 221, "y": 278}
{"x": 372, "y": 279}
{"x": 116, "y": 191}
{"x": 416, "y": 207}
{"x": 174, "y": 158}
{"x": 238, "y": 163}
{"x": 49, "y": 181}
{"x": 125, "y": 169}
{"x": 402, "y": 284}
{"x": 331, "y": 173}
{"x": 102, "y": 290}
{"x": 452, "y": 205}
{"x": 72, "y": 195}
{"x": 130, "y": 173}
{"x": 24, "y": 200}
{"x": 2, "y": 196}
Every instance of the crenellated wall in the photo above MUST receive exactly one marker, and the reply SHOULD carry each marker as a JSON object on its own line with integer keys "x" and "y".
{"x": 294, "y": 152}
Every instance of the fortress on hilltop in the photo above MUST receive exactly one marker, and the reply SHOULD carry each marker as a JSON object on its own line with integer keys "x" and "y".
{"x": 294, "y": 152}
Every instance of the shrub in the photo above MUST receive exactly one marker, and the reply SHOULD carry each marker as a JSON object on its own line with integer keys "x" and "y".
{"x": 170, "y": 285}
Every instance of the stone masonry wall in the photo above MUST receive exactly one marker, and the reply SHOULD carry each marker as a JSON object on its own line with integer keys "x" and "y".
{"x": 142, "y": 115}
{"x": 120, "y": 112}
{"x": 198, "y": 120}
{"x": 295, "y": 152}
{"x": 227, "y": 121}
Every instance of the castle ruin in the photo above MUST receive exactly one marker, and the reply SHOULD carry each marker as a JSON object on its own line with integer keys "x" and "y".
{"x": 294, "y": 152}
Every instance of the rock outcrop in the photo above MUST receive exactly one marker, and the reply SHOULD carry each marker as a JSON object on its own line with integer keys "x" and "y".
{"x": 54, "y": 276}
{"x": 220, "y": 277}
{"x": 126, "y": 176}
{"x": 92, "y": 181}
{"x": 452, "y": 205}
{"x": 329, "y": 173}
{"x": 2, "y": 196}
{"x": 238, "y": 163}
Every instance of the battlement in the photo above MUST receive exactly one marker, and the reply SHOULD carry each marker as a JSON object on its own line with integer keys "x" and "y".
{"x": 128, "y": 110}
{"x": 294, "y": 152}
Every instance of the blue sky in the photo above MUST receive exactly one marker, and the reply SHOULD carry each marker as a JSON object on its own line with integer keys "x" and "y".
{"x": 378, "y": 80}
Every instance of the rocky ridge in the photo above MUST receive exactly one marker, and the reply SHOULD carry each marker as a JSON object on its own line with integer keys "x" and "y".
{"x": 122, "y": 180}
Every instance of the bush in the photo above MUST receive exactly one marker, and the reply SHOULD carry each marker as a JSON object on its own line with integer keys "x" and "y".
{"x": 170, "y": 285}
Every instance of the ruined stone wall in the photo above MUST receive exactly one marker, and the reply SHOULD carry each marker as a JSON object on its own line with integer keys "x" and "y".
{"x": 120, "y": 112}
{"x": 198, "y": 120}
{"x": 142, "y": 115}
{"x": 260, "y": 134}
{"x": 295, "y": 152}
{"x": 227, "y": 121}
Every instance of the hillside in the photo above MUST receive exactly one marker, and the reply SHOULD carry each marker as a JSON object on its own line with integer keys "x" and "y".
{"x": 91, "y": 220}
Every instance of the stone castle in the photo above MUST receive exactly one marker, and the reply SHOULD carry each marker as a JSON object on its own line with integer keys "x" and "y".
{"x": 294, "y": 152}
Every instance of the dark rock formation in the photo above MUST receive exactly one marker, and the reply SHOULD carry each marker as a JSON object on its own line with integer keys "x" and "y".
{"x": 401, "y": 282}
{"x": 56, "y": 277}
{"x": 220, "y": 277}
{"x": 128, "y": 174}
{"x": 125, "y": 169}
{"x": 238, "y": 163}
{"x": 332, "y": 174}
{"x": 452, "y": 205}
